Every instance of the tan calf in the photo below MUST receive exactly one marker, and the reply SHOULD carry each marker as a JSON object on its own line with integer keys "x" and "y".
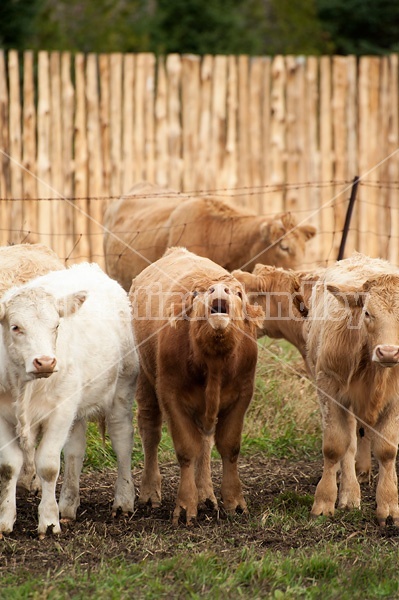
{"x": 353, "y": 351}
{"x": 143, "y": 224}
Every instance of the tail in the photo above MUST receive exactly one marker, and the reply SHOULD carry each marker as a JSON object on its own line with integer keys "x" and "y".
{"x": 212, "y": 403}
{"x": 24, "y": 427}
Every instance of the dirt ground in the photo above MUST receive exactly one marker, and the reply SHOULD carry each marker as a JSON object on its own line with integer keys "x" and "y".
{"x": 271, "y": 487}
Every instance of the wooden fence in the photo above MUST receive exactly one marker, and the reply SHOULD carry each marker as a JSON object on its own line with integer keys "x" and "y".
{"x": 282, "y": 133}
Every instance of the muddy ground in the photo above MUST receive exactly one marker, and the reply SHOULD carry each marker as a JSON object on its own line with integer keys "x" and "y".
{"x": 272, "y": 487}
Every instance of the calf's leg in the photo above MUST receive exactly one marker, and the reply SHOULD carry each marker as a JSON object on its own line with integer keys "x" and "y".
{"x": 349, "y": 489}
{"x": 48, "y": 453}
{"x": 228, "y": 443}
{"x": 149, "y": 420}
{"x": 385, "y": 443}
{"x": 74, "y": 451}
{"x": 338, "y": 435}
{"x": 120, "y": 429}
{"x": 363, "y": 455}
{"x": 203, "y": 478}
{"x": 187, "y": 441}
{"x": 11, "y": 460}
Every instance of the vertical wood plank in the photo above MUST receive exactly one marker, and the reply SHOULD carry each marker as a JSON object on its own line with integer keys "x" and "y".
{"x": 104, "y": 66}
{"x": 44, "y": 149}
{"x": 190, "y": 118}
{"x": 292, "y": 133}
{"x": 57, "y": 167}
{"x": 352, "y": 242}
{"x": 311, "y": 158}
{"x": 382, "y": 193}
{"x": 326, "y": 163}
{"x": 116, "y": 123}
{"x": 173, "y": 70}
{"x": 376, "y": 154}
{"x": 15, "y": 222}
{"x": 81, "y": 250}
{"x": 339, "y": 80}
{"x": 128, "y": 120}
{"x": 255, "y": 132}
{"x": 203, "y": 181}
{"x": 4, "y": 150}
{"x": 244, "y": 180}
{"x": 218, "y": 124}
{"x": 149, "y": 117}
{"x": 368, "y": 153}
{"x": 29, "y": 149}
{"x": 139, "y": 108}
{"x": 231, "y": 162}
{"x": 94, "y": 160}
{"x": 161, "y": 126}
{"x": 68, "y": 103}
{"x": 266, "y": 136}
{"x": 278, "y": 129}
{"x": 393, "y": 164}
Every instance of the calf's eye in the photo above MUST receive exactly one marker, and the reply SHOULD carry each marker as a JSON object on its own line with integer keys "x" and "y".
{"x": 284, "y": 247}
{"x": 15, "y": 329}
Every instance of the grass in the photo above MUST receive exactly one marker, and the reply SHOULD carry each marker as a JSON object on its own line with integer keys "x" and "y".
{"x": 325, "y": 573}
{"x": 282, "y": 420}
{"x": 342, "y": 558}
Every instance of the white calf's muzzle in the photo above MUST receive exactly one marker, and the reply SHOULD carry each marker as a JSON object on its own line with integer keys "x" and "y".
{"x": 43, "y": 366}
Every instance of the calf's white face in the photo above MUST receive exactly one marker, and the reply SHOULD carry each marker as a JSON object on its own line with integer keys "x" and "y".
{"x": 30, "y": 320}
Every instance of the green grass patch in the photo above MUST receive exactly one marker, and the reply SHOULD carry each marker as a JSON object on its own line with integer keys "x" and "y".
{"x": 328, "y": 573}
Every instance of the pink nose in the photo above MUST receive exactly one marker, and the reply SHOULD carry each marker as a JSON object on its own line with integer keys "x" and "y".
{"x": 44, "y": 364}
{"x": 387, "y": 354}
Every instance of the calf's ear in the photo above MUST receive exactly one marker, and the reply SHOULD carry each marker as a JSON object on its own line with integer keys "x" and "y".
{"x": 68, "y": 305}
{"x": 255, "y": 314}
{"x": 347, "y": 295}
{"x": 248, "y": 280}
{"x": 308, "y": 231}
{"x": 271, "y": 231}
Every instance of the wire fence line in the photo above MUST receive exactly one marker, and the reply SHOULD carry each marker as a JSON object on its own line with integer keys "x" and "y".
{"x": 381, "y": 240}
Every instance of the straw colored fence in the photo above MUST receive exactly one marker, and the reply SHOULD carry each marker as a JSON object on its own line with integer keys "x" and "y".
{"x": 283, "y": 133}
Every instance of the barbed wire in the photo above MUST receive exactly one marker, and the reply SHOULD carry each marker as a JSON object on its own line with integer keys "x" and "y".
{"x": 232, "y": 193}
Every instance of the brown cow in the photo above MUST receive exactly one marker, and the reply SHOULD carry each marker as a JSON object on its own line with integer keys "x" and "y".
{"x": 142, "y": 225}
{"x": 353, "y": 349}
{"x": 196, "y": 335}
{"x": 284, "y": 296}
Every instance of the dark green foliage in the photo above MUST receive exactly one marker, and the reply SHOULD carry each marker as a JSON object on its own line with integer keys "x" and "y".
{"x": 361, "y": 26}
{"x": 16, "y": 17}
{"x": 195, "y": 26}
{"x": 202, "y": 26}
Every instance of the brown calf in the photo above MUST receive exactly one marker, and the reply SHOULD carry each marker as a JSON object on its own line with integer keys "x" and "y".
{"x": 196, "y": 335}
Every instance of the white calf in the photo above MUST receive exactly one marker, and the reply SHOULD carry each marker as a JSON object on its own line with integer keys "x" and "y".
{"x": 67, "y": 353}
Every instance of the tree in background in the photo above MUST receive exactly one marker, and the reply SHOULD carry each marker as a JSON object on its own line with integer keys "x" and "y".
{"x": 198, "y": 27}
{"x": 16, "y": 18}
{"x": 202, "y": 26}
{"x": 361, "y": 26}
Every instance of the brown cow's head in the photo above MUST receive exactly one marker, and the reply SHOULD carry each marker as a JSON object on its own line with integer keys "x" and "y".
{"x": 218, "y": 305}
{"x": 279, "y": 292}
{"x": 375, "y": 312}
{"x": 282, "y": 242}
